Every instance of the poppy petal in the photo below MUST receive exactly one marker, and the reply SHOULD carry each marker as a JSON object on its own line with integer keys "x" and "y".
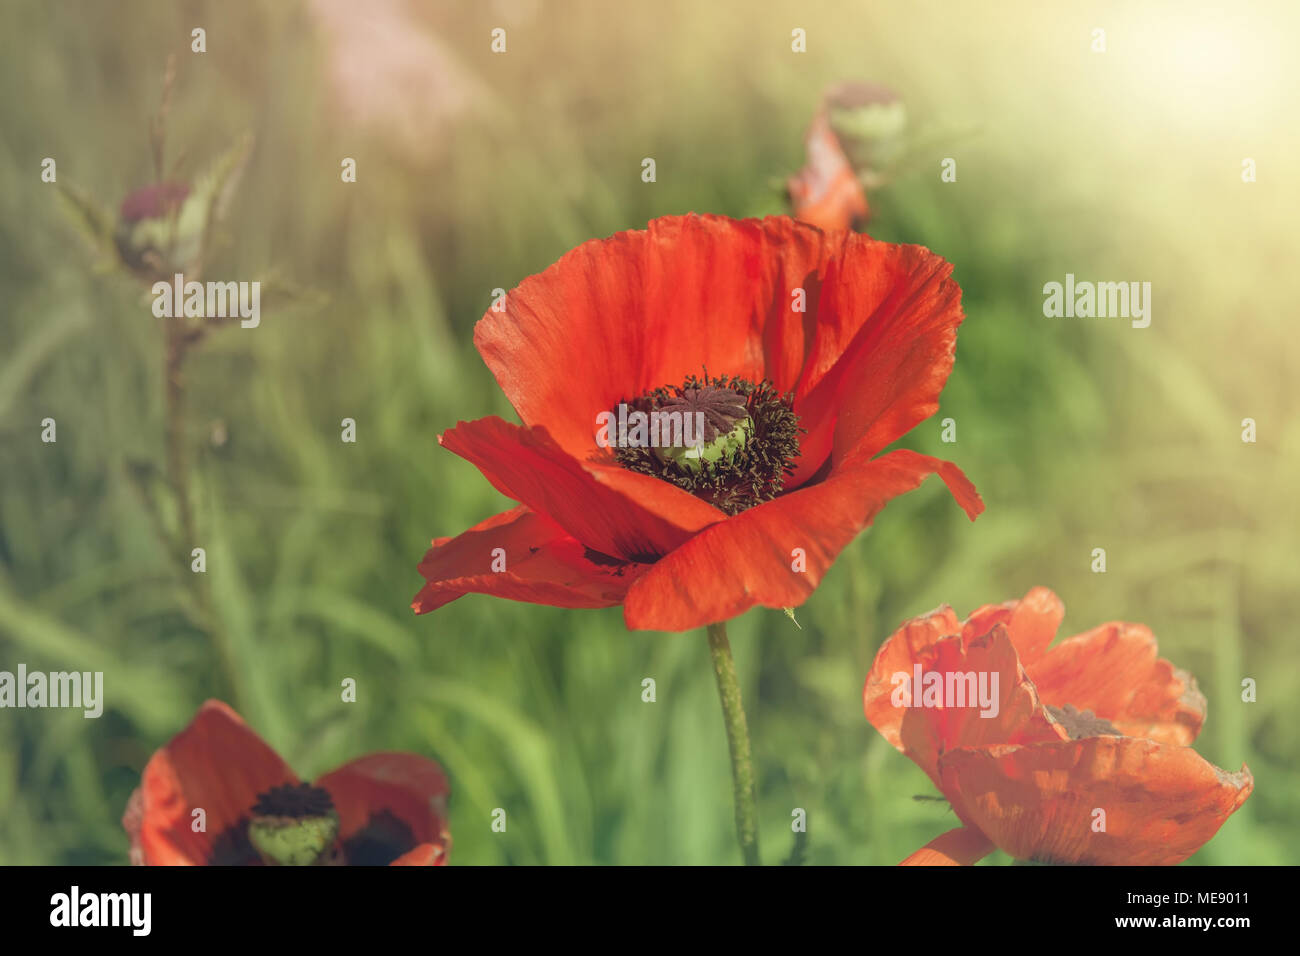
{"x": 1014, "y": 712}
{"x": 426, "y": 854}
{"x": 1032, "y": 622}
{"x": 748, "y": 559}
{"x": 962, "y": 846}
{"x": 1115, "y": 671}
{"x": 527, "y": 465}
{"x": 217, "y": 764}
{"x": 408, "y": 787}
{"x": 886, "y": 332}
{"x": 898, "y": 362}
{"x": 616, "y": 317}
{"x": 1039, "y": 802}
{"x": 1035, "y": 619}
{"x": 543, "y": 564}
{"x": 924, "y": 726}
{"x": 983, "y": 619}
{"x": 897, "y": 654}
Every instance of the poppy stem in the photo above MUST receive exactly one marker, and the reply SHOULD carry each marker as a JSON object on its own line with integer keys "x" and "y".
{"x": 742, "y": 764}
{"x": 175, "y": 347}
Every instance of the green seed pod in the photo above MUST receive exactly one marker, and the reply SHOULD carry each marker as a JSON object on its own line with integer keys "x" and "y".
{"x": 293, "y": 825}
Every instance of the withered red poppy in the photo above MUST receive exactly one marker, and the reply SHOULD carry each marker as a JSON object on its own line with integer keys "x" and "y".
{"x": 831, "y": 346}
{"x": 380, "y": 809}
{"x": 1078, "y": 753}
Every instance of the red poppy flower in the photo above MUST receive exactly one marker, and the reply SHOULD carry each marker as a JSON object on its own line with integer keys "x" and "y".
{"x": 826, "y": 192}
{"x": 815, "y": 350}
{"x": 1077, "y": 754}
{"x": 380, "y": 809}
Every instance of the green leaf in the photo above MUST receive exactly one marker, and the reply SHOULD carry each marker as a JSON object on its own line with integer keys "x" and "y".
{"x": 215, "y": 188}
{"x": 92, "y": 220}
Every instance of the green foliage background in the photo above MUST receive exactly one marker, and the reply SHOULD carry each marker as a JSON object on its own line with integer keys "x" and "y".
{"x": 1079, "y": 433}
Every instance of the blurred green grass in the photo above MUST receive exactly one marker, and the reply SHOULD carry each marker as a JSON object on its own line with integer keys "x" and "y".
{"x": 1079, "y": 433}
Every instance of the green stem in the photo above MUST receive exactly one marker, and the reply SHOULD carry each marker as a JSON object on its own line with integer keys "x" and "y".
{"x": 177, "y": 470}
{"x": 742, "y": 764}
{"x": 175, "y": 346}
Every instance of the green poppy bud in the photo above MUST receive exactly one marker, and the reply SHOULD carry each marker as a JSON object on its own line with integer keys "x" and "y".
{"x": 869, "y": 121}
{"x": 160, "y": 228}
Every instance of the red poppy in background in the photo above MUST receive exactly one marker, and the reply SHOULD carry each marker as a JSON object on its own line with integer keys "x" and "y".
{"x": 853, "y": 144}
{"x": 807, "y": 352}
{"x": 826, "y": 192}
{"x": 1097, "y": 723}
{"x": 380, "y": 809}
